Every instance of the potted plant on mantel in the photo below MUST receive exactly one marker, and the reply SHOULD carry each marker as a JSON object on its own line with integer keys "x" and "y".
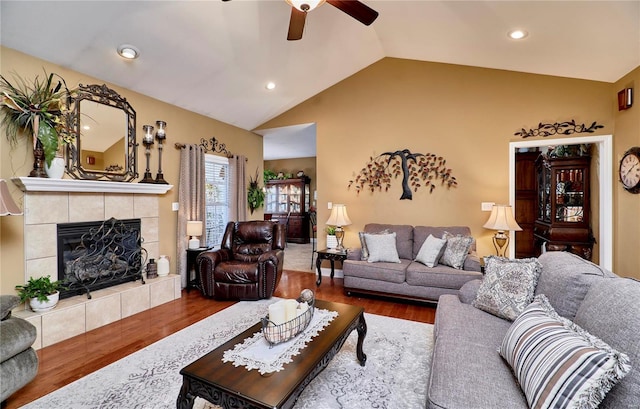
{"x": 42, "y": 293}
{"x": 38, "y": 110}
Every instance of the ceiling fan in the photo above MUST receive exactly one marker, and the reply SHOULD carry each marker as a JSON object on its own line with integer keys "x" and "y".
{"x": 299, "y": 9}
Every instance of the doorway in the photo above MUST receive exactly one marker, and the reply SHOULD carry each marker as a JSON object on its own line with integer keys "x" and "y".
{"x": 604, "y": 152}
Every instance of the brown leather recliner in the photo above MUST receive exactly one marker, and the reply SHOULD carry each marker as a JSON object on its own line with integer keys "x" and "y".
{"x": 249, "y": 263}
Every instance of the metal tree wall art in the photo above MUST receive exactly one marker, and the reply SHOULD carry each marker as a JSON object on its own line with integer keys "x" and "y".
{"x": 417, "y": 170}
{"x": 560, "y": 128}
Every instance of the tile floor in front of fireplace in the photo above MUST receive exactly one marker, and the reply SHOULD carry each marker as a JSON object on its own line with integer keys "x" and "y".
{"x": 77, "y": 315}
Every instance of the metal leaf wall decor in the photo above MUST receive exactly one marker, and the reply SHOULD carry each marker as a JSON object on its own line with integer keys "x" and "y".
{"x": 560, "y": 128}
{"x": 417, "y": 170}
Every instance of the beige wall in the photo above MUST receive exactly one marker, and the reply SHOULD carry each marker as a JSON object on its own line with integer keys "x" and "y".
{"x": 182, "y": 126}
{"x": 468, "y": 115}
{"x": 626, "y": 206}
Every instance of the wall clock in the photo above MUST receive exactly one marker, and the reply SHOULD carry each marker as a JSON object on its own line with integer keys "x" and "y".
{"x": 629, "y": 170}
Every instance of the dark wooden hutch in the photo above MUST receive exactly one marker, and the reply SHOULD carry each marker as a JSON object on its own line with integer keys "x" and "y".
{"x": 563, "y": 197}
{"x": 289, "y": 198}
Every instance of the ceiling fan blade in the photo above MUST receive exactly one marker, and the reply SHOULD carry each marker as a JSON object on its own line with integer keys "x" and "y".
{"x": 360, "y": 11}
{"x": 296, "y": 24}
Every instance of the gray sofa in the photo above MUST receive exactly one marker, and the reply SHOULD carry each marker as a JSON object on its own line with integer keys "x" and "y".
{"x": 467, "y": 372}
{"x": 408, "y": 279}
{"x": 18, "y": 360}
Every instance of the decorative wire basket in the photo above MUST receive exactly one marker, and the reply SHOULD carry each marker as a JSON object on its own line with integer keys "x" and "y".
{"x": 276, "y": 334}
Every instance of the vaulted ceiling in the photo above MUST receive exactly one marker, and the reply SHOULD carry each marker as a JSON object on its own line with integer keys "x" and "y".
{"x": 214, "y": 57}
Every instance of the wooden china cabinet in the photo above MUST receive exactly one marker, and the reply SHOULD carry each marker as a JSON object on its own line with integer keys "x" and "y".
{"x": 289, "y": 199}
{"x": 563, "y": 197}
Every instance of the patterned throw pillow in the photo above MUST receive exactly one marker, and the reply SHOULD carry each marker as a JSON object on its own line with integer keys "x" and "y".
{"x": 557, "y": 363}
{"x": 456, "y": 250}
{"x": 382, "y": 247}
{"x": 508, "y": 286}
{"x": 431, "y": 251}
{"x": 364, "y": 251}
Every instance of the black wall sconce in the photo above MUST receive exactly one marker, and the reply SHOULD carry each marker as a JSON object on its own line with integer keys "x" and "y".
{"x": 625, "y": 99}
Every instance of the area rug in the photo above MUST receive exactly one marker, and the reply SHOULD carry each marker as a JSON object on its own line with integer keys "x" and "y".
{"x": 395, "y": 375}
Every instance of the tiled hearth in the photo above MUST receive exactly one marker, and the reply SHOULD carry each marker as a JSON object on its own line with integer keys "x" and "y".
{"x": 49, "y": 202}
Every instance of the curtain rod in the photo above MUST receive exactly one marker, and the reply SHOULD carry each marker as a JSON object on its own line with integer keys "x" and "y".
{"x": 211, "y": 145}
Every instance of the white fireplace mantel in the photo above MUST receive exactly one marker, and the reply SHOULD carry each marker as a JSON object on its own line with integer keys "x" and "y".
{"x": 29, "y": 184}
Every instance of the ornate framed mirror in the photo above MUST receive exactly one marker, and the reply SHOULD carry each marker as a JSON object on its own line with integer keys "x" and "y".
{"x": 104, "y": 126}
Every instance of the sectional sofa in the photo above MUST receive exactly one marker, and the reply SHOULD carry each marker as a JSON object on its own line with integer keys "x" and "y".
{"x": 467, "y": 370}
{"x": 409, "y": 279}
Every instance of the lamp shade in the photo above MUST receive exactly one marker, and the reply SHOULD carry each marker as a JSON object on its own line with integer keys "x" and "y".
{"x": 7, "y": 206}
{"x": 339, "y": 216}
{"x": 194, "y": 228}
{"x": 502, "y": 219}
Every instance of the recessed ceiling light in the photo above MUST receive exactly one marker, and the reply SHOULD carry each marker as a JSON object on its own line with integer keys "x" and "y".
{"x": 518, "y": 34}
{"x": 270, "y": 85}
{"x": 128, "y": 51}
{"x": 86, "y": 127}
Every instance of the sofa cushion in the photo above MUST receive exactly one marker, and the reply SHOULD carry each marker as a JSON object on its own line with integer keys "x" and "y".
{"x": 557, "y": 363}
{"x": 466, "y": 371}
{"x": 431, "y": 251}
{"x": 420, "y": 234}
{"x": 456, "y": 250}
{"x": 364, "y": 251}
{"x": 469, "y": 291}
{"x": 8, "y": 303}
{"x": 611, "y": 311}
{"x": 16, "y": 335}
{"x": 565, "y": 280}
{"x": 404, "y": 237}
{"x": 508, "y": 286}
{"x": 439, "y": 276}
{"x": 390, "y": 272}
{"x": 382, "y": 247}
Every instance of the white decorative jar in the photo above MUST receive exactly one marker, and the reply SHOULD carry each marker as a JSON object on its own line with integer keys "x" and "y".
{"x": 332, "y": 241}
{"x": 163, "y": 266}
{"x": 56, "y": 170}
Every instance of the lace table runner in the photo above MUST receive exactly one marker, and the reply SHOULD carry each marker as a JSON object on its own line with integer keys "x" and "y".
{"x": 255, "y": 353}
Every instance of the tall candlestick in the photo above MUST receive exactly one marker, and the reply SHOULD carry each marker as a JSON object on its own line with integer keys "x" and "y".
{"x": 147, "y": 141}
{"x": 160, "y": 136}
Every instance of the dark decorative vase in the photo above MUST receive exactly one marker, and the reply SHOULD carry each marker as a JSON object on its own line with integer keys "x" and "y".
{"x": 38, "y": 161}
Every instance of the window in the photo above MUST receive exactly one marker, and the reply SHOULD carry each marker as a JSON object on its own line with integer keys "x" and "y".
{"x": 216, "y": 198}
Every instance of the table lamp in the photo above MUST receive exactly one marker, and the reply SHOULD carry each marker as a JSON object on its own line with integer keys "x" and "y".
{"x": 194, "y": 229}
{"x": 502, "y": 220}
{"x": 339, "y": 218}
{"x": 7, "y": 206}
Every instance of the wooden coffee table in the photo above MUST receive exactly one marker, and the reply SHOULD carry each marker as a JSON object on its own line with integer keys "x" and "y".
{"x": 234, "y": 387}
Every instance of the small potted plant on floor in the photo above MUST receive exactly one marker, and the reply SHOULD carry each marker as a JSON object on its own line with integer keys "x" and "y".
{"x": 42, "y": 293}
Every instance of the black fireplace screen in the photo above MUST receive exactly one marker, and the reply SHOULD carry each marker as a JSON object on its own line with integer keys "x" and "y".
{"x": 96, "y": 255}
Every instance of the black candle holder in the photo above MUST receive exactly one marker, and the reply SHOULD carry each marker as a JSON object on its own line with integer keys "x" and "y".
{"x": 147, "y": 141}
{"x": 161, "y": 135}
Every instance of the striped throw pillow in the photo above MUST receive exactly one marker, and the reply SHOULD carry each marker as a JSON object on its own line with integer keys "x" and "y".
{"x": 557, "y": 363}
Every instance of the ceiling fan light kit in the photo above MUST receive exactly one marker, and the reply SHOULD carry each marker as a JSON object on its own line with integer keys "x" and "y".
{"x": 299, "y": 9}
{"x": 305, "y": 5}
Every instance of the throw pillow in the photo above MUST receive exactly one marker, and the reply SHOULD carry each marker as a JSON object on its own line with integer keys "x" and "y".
{"x": 382, "y": 247}
{"x": 508, "y": 286}
{"x": 431, "y": 251}
{"x": 557, "y": 363}
{"x": 456, "y": 250}
{"x": 364, "y": 251}
{"x": 7, "y": 303}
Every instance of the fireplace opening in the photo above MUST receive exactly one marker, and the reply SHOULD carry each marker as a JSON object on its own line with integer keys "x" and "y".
{"x": 100, "y": 254}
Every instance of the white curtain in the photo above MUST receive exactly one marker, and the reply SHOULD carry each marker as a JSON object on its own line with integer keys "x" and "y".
{"x": 238, "y": 202}
{"x": 191, "y": 197}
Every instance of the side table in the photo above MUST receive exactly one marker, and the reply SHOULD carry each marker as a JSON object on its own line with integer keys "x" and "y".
{"x": 331, "y": 255}
{"x": 192, "y": 254}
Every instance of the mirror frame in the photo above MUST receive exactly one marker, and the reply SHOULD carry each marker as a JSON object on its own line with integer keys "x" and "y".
{"x": 101, "y": 94}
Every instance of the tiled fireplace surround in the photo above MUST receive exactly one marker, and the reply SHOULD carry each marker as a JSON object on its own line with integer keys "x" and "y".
{"x": 48, "y": 203}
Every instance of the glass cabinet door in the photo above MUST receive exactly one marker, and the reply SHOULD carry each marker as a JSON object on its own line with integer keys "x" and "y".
{"x": 271, "y": 199}
{"x": 569, "y": 195}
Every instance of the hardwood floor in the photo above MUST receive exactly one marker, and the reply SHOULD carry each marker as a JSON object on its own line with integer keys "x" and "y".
{"x": 66, "y": 361}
